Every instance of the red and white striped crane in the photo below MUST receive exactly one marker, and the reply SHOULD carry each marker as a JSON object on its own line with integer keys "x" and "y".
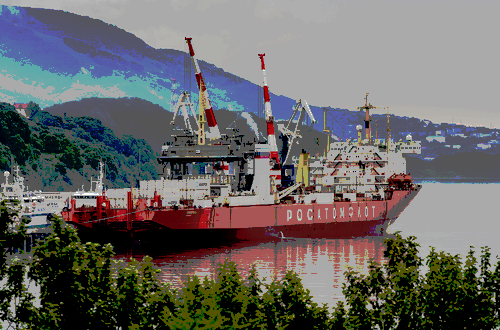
{"x": 209, "y": 113}
{"x": 271, "y": 138}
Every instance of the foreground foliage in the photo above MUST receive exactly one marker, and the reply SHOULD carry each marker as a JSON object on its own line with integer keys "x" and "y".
{"x": 83, "y": 287}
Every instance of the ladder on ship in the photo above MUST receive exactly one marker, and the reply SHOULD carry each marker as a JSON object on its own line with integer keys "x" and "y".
{"x": 289, "y": 190}
{"x": 212, "y": 217}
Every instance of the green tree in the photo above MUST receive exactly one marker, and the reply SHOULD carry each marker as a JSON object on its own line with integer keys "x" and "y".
{"x": 230, "y": 293}
{"x": 82, "y": 281}
{"x": 196, "y": 307}
{"x": 14, "y": 292}
{"x": 396, "y": 296}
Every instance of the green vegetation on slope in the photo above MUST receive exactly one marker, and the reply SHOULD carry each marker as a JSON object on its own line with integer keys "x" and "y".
{"x": 60, "y": 153}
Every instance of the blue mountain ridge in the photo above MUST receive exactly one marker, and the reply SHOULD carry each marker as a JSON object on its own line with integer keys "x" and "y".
{"x": 52, "y": 57}
{"x": 61, "y": 57}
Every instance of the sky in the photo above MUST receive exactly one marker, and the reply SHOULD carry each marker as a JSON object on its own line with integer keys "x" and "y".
{"x": 436, "y": 60}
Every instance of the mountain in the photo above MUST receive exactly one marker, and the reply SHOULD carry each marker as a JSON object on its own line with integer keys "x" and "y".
{"x": 145, "y": 120}
{"x": 81, "y": 66}
{"x": 153, "y": 125}
{"x": 61, "y": 154}
{"x": 124, "y": 116}
{"x": 67, "y": 57}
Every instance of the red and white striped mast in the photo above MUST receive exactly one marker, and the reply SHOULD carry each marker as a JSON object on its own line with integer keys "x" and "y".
{"x": 209, "y": 113}
{"x": 271, "y": 138}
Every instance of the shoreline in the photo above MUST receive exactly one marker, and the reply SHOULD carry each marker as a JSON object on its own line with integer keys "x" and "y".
{"x": 456, "y": 180}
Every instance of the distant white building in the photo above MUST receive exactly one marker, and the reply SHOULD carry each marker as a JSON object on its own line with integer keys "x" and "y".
{"x": 483, "y": 146}
{"x": 457, "y": 146}
{"x": 21, "y": 108}
{"x": 440, "y": 139}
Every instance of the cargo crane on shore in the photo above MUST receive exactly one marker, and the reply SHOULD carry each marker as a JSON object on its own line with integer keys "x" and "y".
{"x": 289, "y": 137}
{"x": 287, "y": 132}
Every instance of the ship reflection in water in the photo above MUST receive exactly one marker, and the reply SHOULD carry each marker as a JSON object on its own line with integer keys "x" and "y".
{"x": 319, "y": 262}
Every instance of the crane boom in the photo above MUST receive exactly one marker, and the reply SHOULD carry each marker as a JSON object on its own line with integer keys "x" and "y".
{"x": 271, "y": 138}
{"x": 300, "y": 106}
{"x": 308, "y": 110}
{"x": 184, "y": 104}
{"x": 209, "y": 113}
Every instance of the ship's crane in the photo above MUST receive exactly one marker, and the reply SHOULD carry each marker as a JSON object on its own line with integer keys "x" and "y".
{"x": 204, "y": 102}
{"x": 271, "y": 138}
{"x": 300, "y": 106}
{"x": 183, "y": 105}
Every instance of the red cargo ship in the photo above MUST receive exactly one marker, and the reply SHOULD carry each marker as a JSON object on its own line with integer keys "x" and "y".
{"x": 341, "y": 219}
{"x": 225, "y": 188}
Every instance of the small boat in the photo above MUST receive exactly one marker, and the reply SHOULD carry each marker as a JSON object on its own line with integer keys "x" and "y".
{"x": 29, "y": 204}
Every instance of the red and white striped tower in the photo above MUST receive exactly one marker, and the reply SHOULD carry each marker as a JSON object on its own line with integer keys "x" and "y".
{"x": 209, "y": 113}
{"x": 271, "y": 138}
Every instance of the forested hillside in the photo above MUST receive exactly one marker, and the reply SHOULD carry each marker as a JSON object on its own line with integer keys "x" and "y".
{"x": 56, "y": 153}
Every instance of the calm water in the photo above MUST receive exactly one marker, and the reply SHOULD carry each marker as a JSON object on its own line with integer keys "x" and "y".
{"x": 450, "y": 217}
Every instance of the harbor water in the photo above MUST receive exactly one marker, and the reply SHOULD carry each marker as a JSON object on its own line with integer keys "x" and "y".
{"x": 448, "y": 216}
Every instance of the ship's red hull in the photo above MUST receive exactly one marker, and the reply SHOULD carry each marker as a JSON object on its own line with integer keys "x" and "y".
{"x": 256, "y": 222}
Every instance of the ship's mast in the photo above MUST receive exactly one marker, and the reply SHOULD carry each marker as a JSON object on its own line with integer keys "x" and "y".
{"x": 205, "y": 103}
{"x": 271, "y": 138}
{"x": 327, "y": 131}
{"x": 367, "y": 108}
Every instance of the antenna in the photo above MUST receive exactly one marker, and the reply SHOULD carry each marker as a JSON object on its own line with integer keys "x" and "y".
{"x": 388, "y": 130}
{"x": 367, "y": 108}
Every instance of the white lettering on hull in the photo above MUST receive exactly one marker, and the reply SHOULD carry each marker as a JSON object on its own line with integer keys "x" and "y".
{"x": 310, "y": 213}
